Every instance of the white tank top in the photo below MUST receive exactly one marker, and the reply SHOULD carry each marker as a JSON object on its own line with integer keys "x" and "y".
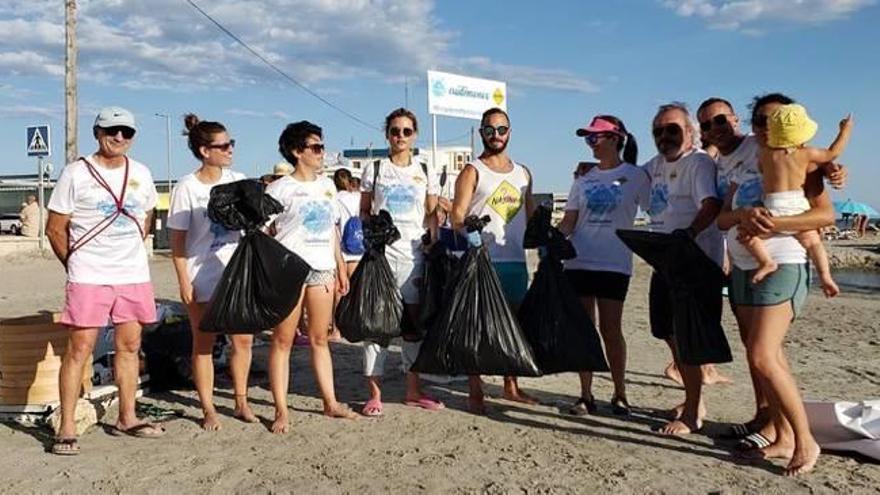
{"x": 502, "y": 196}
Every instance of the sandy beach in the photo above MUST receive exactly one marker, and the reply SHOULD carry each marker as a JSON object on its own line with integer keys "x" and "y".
{"x": 833, "y": 349}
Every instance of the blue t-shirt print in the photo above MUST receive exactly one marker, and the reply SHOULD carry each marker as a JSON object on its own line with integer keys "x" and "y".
{"x": 601, "y": 201}
{"x": 400, "y": 199}
{"x": 123, "y": 225}
{"x": 749, "y": 193}
{"x": 221, "y": 236}
{"x": 659, "y": 199}
{"x": 317, "y": 219}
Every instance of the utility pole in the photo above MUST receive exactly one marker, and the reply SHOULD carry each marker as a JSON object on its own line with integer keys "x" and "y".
{"x": 167, "y": 118}
{"x": 406, "y": 92}
{"x": 70, "y": 109}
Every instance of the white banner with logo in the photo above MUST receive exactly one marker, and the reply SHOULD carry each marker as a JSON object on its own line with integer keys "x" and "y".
{"x": 454, "y": 95}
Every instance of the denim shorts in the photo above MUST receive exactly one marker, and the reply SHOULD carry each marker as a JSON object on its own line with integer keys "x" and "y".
{"x": 790, "y": 282}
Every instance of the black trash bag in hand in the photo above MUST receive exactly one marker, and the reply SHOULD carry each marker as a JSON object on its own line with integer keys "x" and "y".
{"x": 538, "y": 228}
{"x": 695, "y": 282}
{"x": 476, "y": 333}
{"x": 373, "y": 308}
{"x": 439, "y": 272}
{"x": 259, "y": 288}
{"x": 242, "y": 205}
{"x": 561, "y": 333}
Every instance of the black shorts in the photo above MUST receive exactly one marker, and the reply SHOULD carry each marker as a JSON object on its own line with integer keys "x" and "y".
{"x": 660, "y": 308}
{"x": 599, "y": 284}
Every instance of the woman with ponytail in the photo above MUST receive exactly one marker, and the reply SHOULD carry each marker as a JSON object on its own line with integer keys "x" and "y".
{"x": 200, "y": 250}
{"x": 602, "y": 200}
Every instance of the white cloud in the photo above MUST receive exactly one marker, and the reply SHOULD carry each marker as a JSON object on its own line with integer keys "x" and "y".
{"x": 737, "y": 14}
{"x": 243, "y": 112}
{"x": 167, "y": 44}
{"x": 52, "y": 112}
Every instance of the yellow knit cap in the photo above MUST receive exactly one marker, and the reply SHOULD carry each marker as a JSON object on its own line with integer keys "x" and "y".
{"x": 789, "y": 126}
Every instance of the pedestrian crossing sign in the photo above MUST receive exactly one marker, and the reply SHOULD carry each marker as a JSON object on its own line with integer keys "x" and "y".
{"x": 38, "y": 140}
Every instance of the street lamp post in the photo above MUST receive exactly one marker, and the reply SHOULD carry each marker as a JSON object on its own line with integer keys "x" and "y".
{"x": 167, "y": 147}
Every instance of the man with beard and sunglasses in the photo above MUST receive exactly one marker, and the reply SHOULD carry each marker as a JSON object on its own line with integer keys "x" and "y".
{"x": 99, "y": 216}
{"x": 496, "y": 186}
{"x": 684, "y": 201}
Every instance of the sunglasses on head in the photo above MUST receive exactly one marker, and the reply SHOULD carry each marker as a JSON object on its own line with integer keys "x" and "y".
{"x": 718, "y": 120}
{"x": 759, "y": 121}
{"x": 316, "y": 148}
{"x": 127, "y": 132}
{"x": 670, "y": 129}
{"x": 488, "y": 131}
{"x": 405, "y": 132}
{"x": 222, "y": 146}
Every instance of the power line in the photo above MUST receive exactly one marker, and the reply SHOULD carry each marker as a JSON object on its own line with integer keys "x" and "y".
{"x": 281, "y": 72}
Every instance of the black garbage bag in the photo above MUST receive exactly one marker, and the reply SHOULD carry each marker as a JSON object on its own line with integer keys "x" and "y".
{"x": 167, "y": 351}
{"x": 695, "y": 282}
{"x": 476, "y": 333}
{"x": 242, "y": 205}
{"x": 437, "y": 277}
{"x": 259, "y": 288}
{"x": 538, "y": 227}
{"x": 560, "y": 332}
{"x": 373, "y": 308}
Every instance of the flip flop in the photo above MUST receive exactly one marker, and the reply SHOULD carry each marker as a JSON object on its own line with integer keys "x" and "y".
{"x": 737, "y": 431}
{"x": 372, "y": 409}
{"x": 139, "y": 431}
{"x": 753, "y": 441}
{"x": 426, "y": 403}
{"x": 65, "y": 446}
{"x": 583, "y": 407}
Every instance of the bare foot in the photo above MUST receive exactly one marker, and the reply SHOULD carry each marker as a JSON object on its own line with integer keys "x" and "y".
{"x": 673, "y": 374}
{"x": 779, "y": 450}
{"x": 711, "y": 375}
{"x": 681, "y": 426}
{"x": 476, "y": 405}
{"x": 281, "y": 425}
{"x": 340, "y": 411}
{"x": 244, "y": 413}
{"x": 763, "y": 270}
{"x": 804, "y": 459}
{"x": 829, "y": 287}
{"x": 517, "y": 395}
{"x": 211, "y": 421}
{"x": 677, "y": 411}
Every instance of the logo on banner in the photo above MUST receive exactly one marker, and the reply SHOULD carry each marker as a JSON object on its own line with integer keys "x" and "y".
{"x": 438, "y": 88}
{"x": 498, "y": 96}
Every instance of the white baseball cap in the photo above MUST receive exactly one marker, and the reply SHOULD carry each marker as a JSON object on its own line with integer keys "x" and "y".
{"x": 282, "y": 168}
{"x": 114, "y": 116}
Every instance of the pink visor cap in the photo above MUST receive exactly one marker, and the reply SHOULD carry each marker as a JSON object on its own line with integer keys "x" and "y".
{"x": 598, "y": 125}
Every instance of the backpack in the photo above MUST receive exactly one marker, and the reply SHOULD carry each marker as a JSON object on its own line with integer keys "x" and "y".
{"x": 353, "y": 236}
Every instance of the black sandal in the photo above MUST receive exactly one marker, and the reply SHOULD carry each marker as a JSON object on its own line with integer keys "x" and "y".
{"x": 583, "y": 406}
{"x": 620, "y": 407}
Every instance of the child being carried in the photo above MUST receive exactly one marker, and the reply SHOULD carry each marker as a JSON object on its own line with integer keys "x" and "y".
{"x": 784, "y": 165}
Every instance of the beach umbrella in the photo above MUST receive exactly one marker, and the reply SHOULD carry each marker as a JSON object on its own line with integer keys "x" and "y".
{"x": 855, "y": 208}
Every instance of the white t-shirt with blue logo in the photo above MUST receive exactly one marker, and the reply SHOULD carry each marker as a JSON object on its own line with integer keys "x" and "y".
{"x": 307, "y": 226}
{"x": 606, "y": 200}
{"x": 677, "y": 192}
{"x": 744, "y": 156}
{"x": 209, "y": 246}
{"x": 402, "y": 192}
{"x": 782, "y": 248}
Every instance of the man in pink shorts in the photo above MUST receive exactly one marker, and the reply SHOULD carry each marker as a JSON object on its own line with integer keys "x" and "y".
{"x": 99, "y": 215}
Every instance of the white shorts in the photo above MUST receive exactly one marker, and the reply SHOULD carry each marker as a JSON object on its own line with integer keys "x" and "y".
{"x": 786, "y": 203}
{"x": 408, "y": 273}
{"x": 375, "y": 355}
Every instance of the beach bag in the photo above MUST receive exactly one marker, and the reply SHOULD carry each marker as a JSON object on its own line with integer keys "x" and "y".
{"x": 695, "y": 282}
{"x": 263, "y": 280}
{"x": 476, "y": 333}
{"x": 561, "y": 333}
{"x": 373, "y": 308}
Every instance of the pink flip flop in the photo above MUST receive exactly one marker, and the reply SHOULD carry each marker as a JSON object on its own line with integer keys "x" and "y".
{"x": 426, "y": 403}
{"x": 372, "y": 409}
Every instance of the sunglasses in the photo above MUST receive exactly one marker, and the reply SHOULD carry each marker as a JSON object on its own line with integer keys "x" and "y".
{"x": 222, "y": 146}
{"x": 488, "y": 131}
{"x": 593, "y": 139}
{"x": 127, "y": 132}
{"x": 759, "y": 121}
{"x": 397, "y": 131}
{"x": 316, "y": 148}
{"x": 718, "y": 120}
{"x": 670, "y": 129}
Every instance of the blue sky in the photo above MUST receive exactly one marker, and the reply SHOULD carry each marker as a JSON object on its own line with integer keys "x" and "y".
{"x": 563, "y": 61}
